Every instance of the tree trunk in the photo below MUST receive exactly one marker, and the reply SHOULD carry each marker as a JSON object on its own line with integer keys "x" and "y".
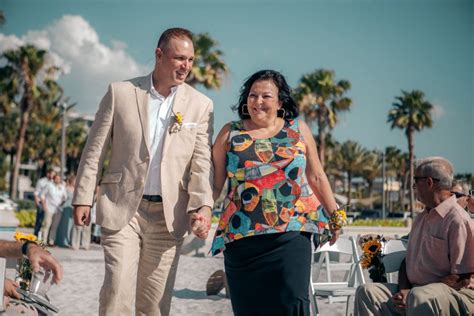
{"x": 370, "y": 192}
{"x": 349, "y": 189}
{"x": 412, "y": 171}
{"x": 19, "y": 151}
{"x": 321, "y": 140}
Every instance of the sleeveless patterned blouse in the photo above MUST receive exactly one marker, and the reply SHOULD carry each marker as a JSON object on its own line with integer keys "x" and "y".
{"x": 267, "y": 187}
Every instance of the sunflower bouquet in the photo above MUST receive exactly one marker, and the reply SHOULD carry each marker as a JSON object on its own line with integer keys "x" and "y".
{"x": 24, "y": 271}
{"x": 371, "y": 258}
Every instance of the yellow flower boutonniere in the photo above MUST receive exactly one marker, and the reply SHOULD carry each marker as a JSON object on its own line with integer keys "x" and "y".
{"x": 177, "y": 122}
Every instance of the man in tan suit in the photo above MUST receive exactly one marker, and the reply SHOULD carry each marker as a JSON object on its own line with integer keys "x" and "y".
{"x": 158, "y": 183}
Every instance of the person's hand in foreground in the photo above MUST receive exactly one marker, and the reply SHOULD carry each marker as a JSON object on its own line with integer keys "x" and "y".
{"x": 399, "y": 299}
{"x": 10, "y": 289}
{"x": 82, "y": 215}
{"x": 41, "y": 258}
{"x": 201, "y": 222}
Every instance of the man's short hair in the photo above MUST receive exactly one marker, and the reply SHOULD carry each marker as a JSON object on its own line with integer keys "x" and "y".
{"x": 437, "y": 168}
{"x": 175, "y": 32}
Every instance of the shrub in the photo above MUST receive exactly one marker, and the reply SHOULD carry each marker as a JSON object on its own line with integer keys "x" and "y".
{"x": 25, "y": 204}
{"x": 27, "y": 217}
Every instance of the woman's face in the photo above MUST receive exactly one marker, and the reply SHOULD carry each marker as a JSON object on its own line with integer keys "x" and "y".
{"x": 263, "y": 102}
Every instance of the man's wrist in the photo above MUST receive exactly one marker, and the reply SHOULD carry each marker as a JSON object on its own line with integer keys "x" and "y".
{"x": 25, "y": 247}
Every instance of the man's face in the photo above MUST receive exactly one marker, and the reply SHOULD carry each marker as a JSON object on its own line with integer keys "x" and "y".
{"x": 174, "y": 61}
{"x": 423, "y": 186}
{"x": 57, "y": 179}
{"x": 50, "y": 175}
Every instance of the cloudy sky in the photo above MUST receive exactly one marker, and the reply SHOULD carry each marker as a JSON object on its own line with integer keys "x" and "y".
{"x": 380, "y": 46}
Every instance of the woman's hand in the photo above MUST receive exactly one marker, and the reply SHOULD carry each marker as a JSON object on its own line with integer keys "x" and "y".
{"x": 201, "y": 222}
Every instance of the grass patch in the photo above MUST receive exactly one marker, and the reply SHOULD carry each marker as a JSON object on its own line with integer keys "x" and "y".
{"x": 378, "y": 222}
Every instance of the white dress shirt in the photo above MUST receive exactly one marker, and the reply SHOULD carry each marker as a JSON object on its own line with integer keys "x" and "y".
{"x": 54, "y": 195}
{"x": 159, "y": 114}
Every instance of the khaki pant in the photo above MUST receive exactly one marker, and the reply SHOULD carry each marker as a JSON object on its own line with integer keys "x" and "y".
{"x": 141, "y": 261}
{"x": 432, "y": 299}
{"x": 45, "y": 228}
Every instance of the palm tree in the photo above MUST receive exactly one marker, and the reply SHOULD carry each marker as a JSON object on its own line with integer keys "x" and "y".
{"x": 208, "y": 69}
{"x": 397, "y": 166}
{"x": 352, "y": 161}
{"x": 320, "y": 98}
{"x": 2, "y": 18}
{"x": 411, "y": 112}
{"x": 23, "y": 66}
{"x": 371, "y": 169}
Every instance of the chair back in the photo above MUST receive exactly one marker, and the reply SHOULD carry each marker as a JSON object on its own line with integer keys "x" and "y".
{"x": 394, "y": 252}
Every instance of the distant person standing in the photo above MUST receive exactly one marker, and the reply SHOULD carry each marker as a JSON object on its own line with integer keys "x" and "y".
{"x": 53, "y": 197}
{"x": 40, "y": 185}
{"x": 63, "y": 236}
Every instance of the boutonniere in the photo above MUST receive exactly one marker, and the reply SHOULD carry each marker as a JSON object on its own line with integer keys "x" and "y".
{"x": 177, "y": 122}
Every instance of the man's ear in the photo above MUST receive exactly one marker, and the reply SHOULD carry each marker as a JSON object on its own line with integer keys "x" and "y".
{"x": 158, "y": 53}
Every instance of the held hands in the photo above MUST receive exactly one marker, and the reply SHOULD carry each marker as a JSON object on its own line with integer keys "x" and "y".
{"x": 201, "y": 222}
{"x": 41, "y": 258}
{"x": 399, "y": 299}
{"x": 82, "y": 215}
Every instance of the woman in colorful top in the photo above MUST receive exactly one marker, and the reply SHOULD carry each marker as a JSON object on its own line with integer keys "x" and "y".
{"x": 270, "y": 211}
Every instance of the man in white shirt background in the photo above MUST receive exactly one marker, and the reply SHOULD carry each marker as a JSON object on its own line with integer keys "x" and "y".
{"x": 40, "y": 185}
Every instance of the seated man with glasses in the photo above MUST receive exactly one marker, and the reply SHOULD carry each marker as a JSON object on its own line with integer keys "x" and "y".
{"x": 437, "y": 275}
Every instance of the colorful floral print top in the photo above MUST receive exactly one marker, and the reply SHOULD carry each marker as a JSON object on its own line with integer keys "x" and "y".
{"x": 267, "y": 187}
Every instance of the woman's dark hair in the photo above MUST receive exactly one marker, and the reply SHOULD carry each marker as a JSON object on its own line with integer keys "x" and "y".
{"x": 284, "y": 93}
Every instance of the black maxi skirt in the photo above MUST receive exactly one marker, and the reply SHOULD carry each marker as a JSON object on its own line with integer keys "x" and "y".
{"x": 269, "y": 274}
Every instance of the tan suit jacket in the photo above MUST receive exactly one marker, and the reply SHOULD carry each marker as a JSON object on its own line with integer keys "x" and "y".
{"x": 186, "y": 168}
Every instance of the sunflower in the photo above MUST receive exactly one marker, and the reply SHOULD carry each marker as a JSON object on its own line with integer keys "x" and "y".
{"x": 20, "y": 236}
{"x": 372, "y": 247}
{"x": 365, "y": 261}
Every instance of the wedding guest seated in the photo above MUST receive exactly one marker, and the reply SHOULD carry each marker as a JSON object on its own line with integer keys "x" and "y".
{"x": 437, "y": 276}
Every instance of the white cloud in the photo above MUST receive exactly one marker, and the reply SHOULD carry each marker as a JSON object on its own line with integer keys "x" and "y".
{"x": 437, "y": 111}
{"x": 88, "y": 64}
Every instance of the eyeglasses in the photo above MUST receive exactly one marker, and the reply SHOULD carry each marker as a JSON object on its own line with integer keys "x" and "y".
{"x": 419, "y": 178}
{"x": 458, "y": 194}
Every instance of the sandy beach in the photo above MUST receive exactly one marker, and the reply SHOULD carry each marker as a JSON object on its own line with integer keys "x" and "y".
{"x": 84, "y": 271}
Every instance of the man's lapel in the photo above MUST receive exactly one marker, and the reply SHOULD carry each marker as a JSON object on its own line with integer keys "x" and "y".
{"x": 141, "y": 92}
{"x": 179, "y": 105}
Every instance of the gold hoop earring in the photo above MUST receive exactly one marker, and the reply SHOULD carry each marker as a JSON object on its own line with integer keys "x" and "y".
{"x": 245, "y": 107}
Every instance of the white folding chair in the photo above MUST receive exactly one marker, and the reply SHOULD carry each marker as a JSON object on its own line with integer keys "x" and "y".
{"x": 336, "y": 291}
{"x": 3, "y": 263}
{"x": 394, "y": 252}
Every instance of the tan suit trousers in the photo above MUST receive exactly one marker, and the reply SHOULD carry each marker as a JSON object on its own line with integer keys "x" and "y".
{"x": 81, "y": 237}
{"x": 432, "y": 299}
{"x": 141, "y": 261}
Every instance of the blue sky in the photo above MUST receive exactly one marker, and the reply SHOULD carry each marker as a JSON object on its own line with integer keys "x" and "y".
{"x": 381, "y": 47}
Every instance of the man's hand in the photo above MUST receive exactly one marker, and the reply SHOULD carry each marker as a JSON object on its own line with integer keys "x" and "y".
{"x": 10, "y": 289}
{"x": 399, "y": 299}
{"x": 41, "y": 258}
{"x": 82, "y": 215}
{"x": 201, "y": 222}
{"x": 457, "y": 281}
